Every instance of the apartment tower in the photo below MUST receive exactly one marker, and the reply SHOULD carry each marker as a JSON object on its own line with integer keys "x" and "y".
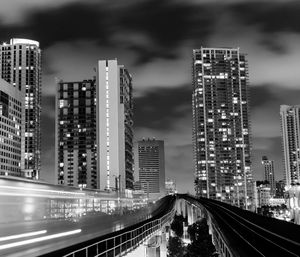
{"x": 75, "y": 140}
{"x": 114, "y": 126}
{"x": 290, "y": 129}
{"x": 20, "y": 66}
{"x": 221, "y": 129}
{"x": 269, "y": 173}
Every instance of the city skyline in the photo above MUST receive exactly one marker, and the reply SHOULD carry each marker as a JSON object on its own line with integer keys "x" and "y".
{"x": 160, "y": 64}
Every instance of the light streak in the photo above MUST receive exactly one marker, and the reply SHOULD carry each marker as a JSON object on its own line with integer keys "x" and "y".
{"x": 34, "y": 233}
{"x": 41, "y": 190}
{"x": 39, "y": 239}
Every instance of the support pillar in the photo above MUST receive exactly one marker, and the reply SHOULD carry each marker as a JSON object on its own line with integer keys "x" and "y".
{"x": 153, "y": 246}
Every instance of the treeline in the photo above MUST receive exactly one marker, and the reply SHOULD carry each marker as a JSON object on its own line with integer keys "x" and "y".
{"x": 201, "y": 242}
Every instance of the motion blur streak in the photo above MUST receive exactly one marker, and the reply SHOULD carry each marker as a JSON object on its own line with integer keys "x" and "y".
{"x": 35, "y": 233}
{"x": 39, "y": 239}
{"x": 40, "y": 190}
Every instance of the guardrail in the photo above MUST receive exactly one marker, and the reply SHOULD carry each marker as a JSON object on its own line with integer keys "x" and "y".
{"x": 122, "y": 244}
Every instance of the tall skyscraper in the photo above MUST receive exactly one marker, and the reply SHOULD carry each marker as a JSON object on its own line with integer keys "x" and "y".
{"x": 269, "y": 173}
{"x": 20, "y": 66}
{"x": 150, "y": 164}
{"x": 75, "y": 141}
{"x": 221, "y": 129}
{"x": 10, "y": 129}
{"x": 290, "y": 129}
{"x": 114, "y": 126}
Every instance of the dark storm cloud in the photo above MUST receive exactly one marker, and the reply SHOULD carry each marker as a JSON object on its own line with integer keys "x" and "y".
{"x": 152, "y": 28}
{"x": 258, "y": 95}
{"x": 271, "y": 18}
{"x": 159, "y": 108}
{"x": 70, "y": 22}
{"x": 273, "y": 96}
{"x": 163, "y": 25}
{"x": 167, "y": 24}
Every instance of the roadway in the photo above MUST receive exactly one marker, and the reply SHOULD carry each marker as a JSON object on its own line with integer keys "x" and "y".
{"x": 250, "y": 234}
{"x": 34, "y": 238}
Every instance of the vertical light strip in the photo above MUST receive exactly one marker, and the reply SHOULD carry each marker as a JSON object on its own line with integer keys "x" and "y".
{"x": 107, "y": 127}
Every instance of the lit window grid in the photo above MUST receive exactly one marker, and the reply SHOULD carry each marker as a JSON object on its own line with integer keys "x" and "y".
{"x": 198, "y": 105}
{"x": 107, "y": 109}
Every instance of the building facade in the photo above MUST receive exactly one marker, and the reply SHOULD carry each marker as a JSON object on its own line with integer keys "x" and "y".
{"x": 75, "y": 142}
{"x": 170, "y": 187}
{"x": 221, "y": 129}
{"x": 290, "y": 129}
{"x": 150, "y": 164}
{"x": 114, "y": 126}
{"x": 10, "y": 129}
{"x": 20, "y": 66}
{"x": 269, "y": 173}
{"x": 280, "y": 189}
{"x": 263, "y": 195}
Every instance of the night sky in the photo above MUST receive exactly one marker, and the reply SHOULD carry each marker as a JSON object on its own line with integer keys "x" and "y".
{"x": 154, "y": 40}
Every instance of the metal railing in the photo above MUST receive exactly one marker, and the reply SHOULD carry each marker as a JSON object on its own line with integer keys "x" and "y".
{"x": 123, "y": 243}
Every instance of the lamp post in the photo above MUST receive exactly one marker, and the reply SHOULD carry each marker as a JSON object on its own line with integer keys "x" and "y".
{"x": 118, "y": 189}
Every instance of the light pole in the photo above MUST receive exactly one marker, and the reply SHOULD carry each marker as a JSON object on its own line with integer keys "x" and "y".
{"x": 118, "y": 189}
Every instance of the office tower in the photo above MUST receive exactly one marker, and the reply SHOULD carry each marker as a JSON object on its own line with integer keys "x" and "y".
{"x": 221, "y": 129}
{"x": 21, "y": 67}
{"x": 269, "y": 173}
{"x": 75, "y": 140}
{"x": 170, "y": 186}
{"x": 150, "y": 164}
{"x": 114, "y": 126}
{"x": 290, "y": 129}
{"x": 10, "y": 129}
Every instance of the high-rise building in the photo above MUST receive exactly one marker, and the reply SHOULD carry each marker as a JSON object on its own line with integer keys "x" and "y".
{"x": 269, "y": 173}
{"x": 150, "y": 164}
{"x": 221, "y": 129}
{"x": 10, "y": 129}
{"x": 170, "y": 186}
{"x": 263, "y": 193}
{"x": 114, "y": 126}
{"x": 75, "y": 141}
{"x": 280, "y": 189}
{"x": 290, "y": 129}
{"x": 20, "y": 66}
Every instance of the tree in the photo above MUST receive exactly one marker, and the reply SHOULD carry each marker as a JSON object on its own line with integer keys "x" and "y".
{"x": 175, "y": 247}
{"x": 177, "y": 225}
{"x": 201, "y": 243}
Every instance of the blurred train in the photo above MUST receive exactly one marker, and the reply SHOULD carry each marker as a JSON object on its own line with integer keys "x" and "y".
{"x": 28, "y": 200}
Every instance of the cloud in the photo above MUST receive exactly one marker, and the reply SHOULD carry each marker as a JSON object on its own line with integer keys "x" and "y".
{"x": 159, "y": 108}
{"x": 270, "y": 17}
{"x": 258, "y": 95}
{"x": 151, "y": 28}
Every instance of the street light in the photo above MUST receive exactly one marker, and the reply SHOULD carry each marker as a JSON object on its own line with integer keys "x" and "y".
{"x": 118, "y": 189}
